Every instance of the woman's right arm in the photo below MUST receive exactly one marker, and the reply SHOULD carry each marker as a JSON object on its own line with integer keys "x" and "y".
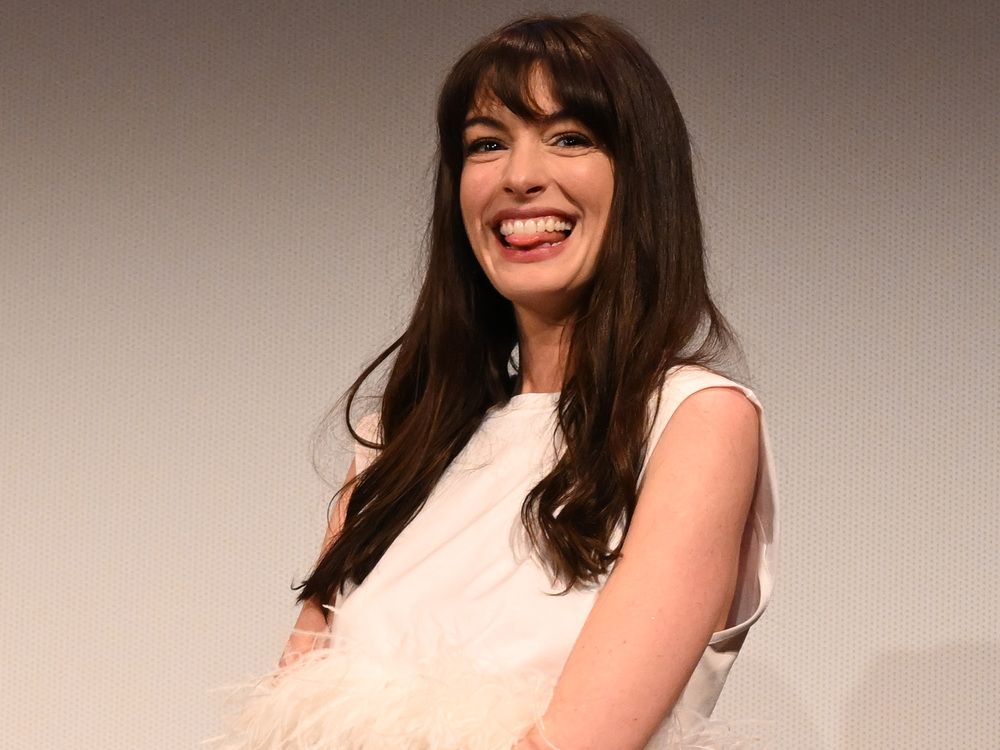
{"x": 311, "y": 626}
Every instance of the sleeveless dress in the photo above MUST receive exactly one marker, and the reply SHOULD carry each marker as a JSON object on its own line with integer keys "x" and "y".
{"x": 455, "y": 639}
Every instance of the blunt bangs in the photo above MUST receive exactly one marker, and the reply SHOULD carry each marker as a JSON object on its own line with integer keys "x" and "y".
{"x": 502, "y": 68}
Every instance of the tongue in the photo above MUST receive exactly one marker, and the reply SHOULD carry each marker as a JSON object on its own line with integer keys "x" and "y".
{"x": 528, "y": 241}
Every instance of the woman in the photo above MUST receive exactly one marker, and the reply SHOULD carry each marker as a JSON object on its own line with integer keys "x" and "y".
{"x": 556, "y": 531}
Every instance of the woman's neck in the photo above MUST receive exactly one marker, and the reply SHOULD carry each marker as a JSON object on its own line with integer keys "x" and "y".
{"x": 542, "y": 350}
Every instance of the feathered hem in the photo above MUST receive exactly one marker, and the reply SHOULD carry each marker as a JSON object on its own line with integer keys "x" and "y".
{"x": 344, "y": 698}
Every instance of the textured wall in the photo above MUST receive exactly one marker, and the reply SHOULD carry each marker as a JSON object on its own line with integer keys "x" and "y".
{"x": 209, "y": 218}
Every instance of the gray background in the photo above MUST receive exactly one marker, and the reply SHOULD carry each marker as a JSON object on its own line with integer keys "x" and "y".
{"x": 209, "y": 220}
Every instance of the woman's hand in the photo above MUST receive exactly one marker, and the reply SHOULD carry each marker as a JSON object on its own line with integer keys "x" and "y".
{"x": 534, "y": 740}
{"x": 311, "y": 628}
{"x": 309, "y": 633}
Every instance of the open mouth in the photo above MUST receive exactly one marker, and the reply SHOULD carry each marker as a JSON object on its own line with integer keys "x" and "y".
{"x": 531, "y": 234}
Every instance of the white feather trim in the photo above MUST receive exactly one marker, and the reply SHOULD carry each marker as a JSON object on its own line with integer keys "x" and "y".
{"x": 347, "y": 698}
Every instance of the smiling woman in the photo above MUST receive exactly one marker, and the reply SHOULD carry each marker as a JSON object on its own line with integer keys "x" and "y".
{"x": 535, "y": 197}
{"x": 559, "y": 526}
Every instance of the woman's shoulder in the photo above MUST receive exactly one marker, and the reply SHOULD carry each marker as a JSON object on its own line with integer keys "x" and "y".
{"x": 682, "y": 381}
{"x": 369, "y": 429}
{"x": 679, "y": 383}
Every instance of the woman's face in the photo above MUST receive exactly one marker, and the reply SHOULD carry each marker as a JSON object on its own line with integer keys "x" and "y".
{"x": 535, "y": 200}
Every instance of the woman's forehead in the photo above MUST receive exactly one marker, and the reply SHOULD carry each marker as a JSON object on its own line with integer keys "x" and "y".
{"x": 537, "y": 97}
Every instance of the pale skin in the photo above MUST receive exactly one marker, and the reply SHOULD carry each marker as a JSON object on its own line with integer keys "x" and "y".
{"x": 674, "y": 583}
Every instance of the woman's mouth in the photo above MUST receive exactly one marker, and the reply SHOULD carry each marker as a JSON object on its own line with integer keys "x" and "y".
{"x": 525, "y": 236}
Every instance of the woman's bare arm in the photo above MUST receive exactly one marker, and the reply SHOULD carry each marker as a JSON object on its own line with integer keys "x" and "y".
{"x": 670, "y": 588}
{"x": 311, "y": 625}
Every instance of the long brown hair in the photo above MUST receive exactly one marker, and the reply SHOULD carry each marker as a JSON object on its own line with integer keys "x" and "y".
{"x": 648, "y": 308}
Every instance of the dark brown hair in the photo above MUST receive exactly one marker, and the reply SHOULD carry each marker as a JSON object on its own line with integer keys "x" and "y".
{"x": 648, "y": 308}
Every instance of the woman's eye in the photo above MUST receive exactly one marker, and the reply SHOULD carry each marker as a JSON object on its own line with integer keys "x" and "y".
{"x": 482, "y": 145}
{"x": 573, "y": 139}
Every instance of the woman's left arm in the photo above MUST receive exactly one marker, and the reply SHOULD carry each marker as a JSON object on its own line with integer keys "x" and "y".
{"x": 671, "y": 586}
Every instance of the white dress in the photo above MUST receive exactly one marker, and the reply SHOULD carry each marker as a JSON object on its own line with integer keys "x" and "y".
{"x": 455, "y": 638}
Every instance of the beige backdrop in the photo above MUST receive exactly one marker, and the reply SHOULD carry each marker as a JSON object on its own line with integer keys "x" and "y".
{"x": 209, "y": 218}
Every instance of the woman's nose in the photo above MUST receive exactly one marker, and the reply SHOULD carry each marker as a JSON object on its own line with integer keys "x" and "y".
{"x": 525, "y": 173}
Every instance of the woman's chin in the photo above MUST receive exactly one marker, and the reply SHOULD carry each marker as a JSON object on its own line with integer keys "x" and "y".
{"x": 554, "y": 303}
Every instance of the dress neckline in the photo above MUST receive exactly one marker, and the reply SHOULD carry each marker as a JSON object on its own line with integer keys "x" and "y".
{"x": 528, "y": 401}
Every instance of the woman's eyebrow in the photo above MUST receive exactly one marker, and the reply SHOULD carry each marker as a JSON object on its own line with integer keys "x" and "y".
{"x": 492, "y": 122}
{"x": 482, "y": 120}
{"x": 559, "y": 114}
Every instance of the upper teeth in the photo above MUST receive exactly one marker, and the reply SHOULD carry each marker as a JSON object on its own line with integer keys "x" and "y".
{"x": 533, "y": 226}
